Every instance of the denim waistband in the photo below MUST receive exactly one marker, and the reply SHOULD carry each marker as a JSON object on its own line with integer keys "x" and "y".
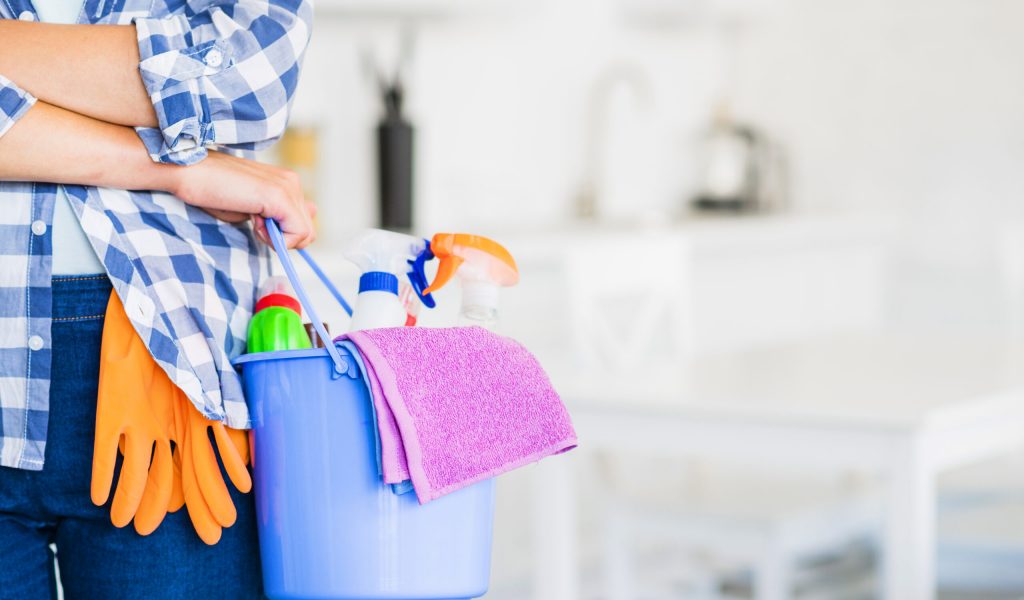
{"x": 80, "y": 297}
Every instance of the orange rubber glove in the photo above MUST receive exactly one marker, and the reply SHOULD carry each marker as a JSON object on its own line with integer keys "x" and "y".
{"x": 128, "y": 375}
{"x": 153, "y": 507}
{"x": 190, "y": 475}
{"x": 206, "y": 496}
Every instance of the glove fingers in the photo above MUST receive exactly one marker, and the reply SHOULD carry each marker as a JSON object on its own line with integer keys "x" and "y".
{"x": 251, "y": 441}
{"x": 232, "y": 455}
{"x": 180, "y": 441}
{"x": 209, "y": 477}
{"x": 104, "y": 457}
{"x": 156, "y": 497}
{"x": 132, "y": 482}
{"x": 177, "y": 499}
{"x": 202, "y": 519}
{"x": 205, "y": 525}
{"x": 240, "y": 438}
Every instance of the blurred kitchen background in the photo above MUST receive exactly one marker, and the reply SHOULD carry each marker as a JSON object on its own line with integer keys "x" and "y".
{"x": 771, "y": 252}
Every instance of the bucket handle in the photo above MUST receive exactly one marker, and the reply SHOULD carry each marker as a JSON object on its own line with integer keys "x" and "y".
{"x": 340, "y": 366}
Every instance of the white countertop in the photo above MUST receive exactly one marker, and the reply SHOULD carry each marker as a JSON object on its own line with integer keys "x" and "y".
{"x": 705, "y": 234}
{"x": 869, "y": 380}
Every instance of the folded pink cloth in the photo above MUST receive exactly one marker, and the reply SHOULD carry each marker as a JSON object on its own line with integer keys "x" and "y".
{"x": 457, "y": 406}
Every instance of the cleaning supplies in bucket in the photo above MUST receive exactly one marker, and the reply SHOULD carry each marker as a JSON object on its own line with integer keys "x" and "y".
{"x": 329, "y": 528}
{"x": 277, "y": 321}
{"x": 458, "y": 405}
{"x": 384, "y": 257}
{"x": 482, "y": 265}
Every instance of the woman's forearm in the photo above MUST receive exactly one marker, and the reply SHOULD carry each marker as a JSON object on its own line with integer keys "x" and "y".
{"x": 88, "y": 69}
{"x": 54, "y": 145}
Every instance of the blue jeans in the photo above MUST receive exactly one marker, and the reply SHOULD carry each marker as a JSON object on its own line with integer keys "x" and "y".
{"x": 52, "y": 506}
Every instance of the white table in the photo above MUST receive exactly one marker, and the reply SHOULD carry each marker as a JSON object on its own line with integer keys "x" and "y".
{"x": 908, "y": 407}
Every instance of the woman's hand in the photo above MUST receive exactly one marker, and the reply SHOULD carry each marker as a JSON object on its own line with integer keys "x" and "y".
{"x": 228, "y": 187}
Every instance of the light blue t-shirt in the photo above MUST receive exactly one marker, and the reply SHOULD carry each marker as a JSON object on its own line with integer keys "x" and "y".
{"x": 72, "y": 252}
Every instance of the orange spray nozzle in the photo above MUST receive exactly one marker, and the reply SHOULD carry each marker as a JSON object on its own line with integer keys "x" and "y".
{"x": 492, "y": 261}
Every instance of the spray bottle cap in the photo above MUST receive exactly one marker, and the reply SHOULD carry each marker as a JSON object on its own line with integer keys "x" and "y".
{"x": 378, "y": 281}
{"x": 490, "y": 260}
{"x": 277, "y": 291}
{"x": 383, "y": 256}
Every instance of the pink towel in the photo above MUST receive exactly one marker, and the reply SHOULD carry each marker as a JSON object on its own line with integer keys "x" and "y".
{"x": 457, "y": 406}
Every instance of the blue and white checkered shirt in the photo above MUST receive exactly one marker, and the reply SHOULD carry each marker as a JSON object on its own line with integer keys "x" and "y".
{"x": 221, "y": 73}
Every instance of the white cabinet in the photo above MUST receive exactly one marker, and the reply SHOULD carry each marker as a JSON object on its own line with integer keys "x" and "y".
{"x": 741, "y": 283}
{"x": 762, "y": 283}
{"x": 416, "y": 9}
{"x": 667, "y": 13}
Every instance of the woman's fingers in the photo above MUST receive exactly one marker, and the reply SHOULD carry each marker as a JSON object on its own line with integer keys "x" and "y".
{"x": 300, "y": 228}
{"x": 228, "y": 216}
{"x": 286, "y": 204}
{"x": 297, "y": 230}
{"x": 259, "y": 229}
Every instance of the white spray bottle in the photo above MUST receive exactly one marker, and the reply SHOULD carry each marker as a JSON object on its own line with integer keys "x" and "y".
{"x": 384, "y": 258}
{"x": 483, "y": 266}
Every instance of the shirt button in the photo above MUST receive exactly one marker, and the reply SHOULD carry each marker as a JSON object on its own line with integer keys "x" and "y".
{"x": 214, "y": 58}
{"x": 35, "y": 342}
{"x": 38, "y": 227}
{"x": 27, "y": 16}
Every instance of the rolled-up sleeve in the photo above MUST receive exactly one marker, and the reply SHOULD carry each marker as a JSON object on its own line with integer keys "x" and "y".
{"x": 221, "y": 76}
{"x": 14, "y": 103}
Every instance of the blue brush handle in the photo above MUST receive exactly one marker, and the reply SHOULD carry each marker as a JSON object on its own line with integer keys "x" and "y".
{"x": 340, "y": 366}
{"x": 327, "y": 282}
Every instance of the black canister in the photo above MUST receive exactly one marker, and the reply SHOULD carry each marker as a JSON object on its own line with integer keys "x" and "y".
{"x": 395, "y": 143}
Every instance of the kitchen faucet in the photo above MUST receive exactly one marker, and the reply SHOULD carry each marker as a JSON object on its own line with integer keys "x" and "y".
{"x": 595, "y": 136}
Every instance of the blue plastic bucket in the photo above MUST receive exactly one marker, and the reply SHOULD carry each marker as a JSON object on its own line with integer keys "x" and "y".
{"x": 329, "y": 528}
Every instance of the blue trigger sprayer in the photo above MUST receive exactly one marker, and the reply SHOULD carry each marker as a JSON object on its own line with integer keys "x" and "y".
{"x": 386, "y": 258}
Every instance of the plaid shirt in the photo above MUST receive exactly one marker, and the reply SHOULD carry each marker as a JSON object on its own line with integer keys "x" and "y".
{"x": 220, "y": 73}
